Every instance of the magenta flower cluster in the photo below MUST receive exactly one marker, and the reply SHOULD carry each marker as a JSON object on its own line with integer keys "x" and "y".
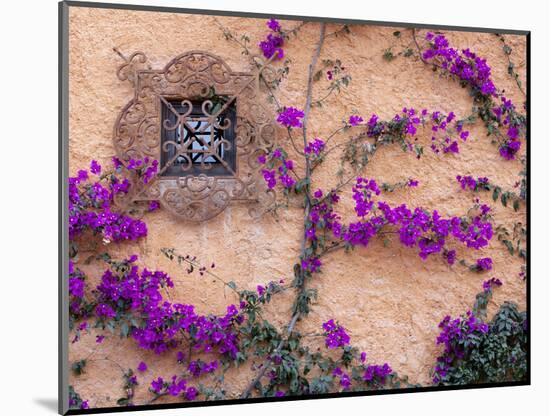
{"x": 335, "y": 335}
{"x": 197, "y": 367}
{"x": 91, "y": 203}
{"x": 485, "y": 263}
{"x": 492, "y": 282}
{"x": 418, "y": 227}
{"x": 77, "y": 286}
{"x": 344, "y": 379}
{"x": 274, "y": 25}
{"x": 280, "y": 167}
{"x": 446, "y": 129}
{"x": 74, "y": 402}
{"x": 471, "y": 183}
{"x": 162, "y": 324}
{"x": 377, "y": 372}
{"x": 505, "y": 114}
{"x": 272, "y": 45}
{"x": 464, "y": 64}
{"x": 454, "y": 335}
{"x": 76, "y": 283}
{"x": 355, "y": 120}
{"x": 322, "y": 217}
{"x": 472, "y": 70}
{"x": 509, "y": 149}
{"x": 290, "y": 117}
{"x": 311, "y": 264}
{"x": 314, "y": 147}
{"x": 177, "y": 386}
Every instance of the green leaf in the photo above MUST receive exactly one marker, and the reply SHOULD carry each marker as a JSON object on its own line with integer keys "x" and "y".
{"x": 123, "y": 401}
{"x": 388, "y": 55}
{"x": 504, "y": 199}
{"x": 78, "y": 367}
{"x": 124, "y": 330}
{"x": 293, "y": 344}
{"x": 510, "y": 246}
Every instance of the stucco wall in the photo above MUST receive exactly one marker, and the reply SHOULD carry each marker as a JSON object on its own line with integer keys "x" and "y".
{"x": 387, "y": 297}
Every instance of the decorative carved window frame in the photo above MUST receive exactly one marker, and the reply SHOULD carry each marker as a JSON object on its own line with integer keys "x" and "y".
{"x": 190, "y": 76}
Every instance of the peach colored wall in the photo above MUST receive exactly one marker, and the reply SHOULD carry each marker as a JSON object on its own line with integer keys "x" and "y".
{"x": 387, "y": 297}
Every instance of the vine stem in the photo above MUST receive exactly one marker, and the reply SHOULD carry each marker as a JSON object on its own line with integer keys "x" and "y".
{"x": 512, "y": 72}
{"x": 254, "y": 382}
{"x": 307, "y": 208}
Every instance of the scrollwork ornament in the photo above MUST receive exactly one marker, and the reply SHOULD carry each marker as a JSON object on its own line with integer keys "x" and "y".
{"x": 192, "y": 76}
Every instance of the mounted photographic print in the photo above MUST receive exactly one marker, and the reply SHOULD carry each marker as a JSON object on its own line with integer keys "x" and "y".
{"x": 266, "y": 208}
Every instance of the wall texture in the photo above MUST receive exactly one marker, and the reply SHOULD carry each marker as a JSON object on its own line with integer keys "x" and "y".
{"x": 387, "y": 297}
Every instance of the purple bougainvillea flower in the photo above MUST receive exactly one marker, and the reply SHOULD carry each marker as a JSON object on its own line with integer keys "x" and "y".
{"x": 450, "y": 256}
{"x": 329, "y": 325}
{"x": 484, "y": 209}
{"x": 273, "y": 25}
{"x": 104, "y": 311}
{"x": 513, "y": 133}
{"x": 489, "y": 284}
{"x": 134, "y": 164}
{"x": 142, "y": 367}
{"x": 99, "y": 339}
{"x": 345, "y": 381}
{"x": 272, "y": 46}
{"x": 335, "y": 335}
{"x": 157, "y": 385}
{"x": 82, "y": 175}
{"x": 509, "y": 149}
{"x": 287, "y": 181}
{"x": 315, "y": 147}
{"x": 355, "y": 120}
{"x": 485, "y": 263}
{"x": 452, "y": 148}
{"x": 191, "y": 393}
{"x": 153, "y": 206}
{"x": 312, "y": 265}
{"x": 269, "y": 177}
{"x": 76, "y": 287}
{"x": 290, "y": 117}
{"x": 95, "y": 167}
{"x": 377, "y": 371}
{"x": 116, "y": 163}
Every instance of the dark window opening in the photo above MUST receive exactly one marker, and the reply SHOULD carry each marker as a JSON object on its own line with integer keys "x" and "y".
{"x": 207, "y": 148}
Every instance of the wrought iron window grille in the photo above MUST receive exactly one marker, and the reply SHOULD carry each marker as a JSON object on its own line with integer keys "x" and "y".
{"x": 205, "y": 125}
{"x": 204, "y": 147}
